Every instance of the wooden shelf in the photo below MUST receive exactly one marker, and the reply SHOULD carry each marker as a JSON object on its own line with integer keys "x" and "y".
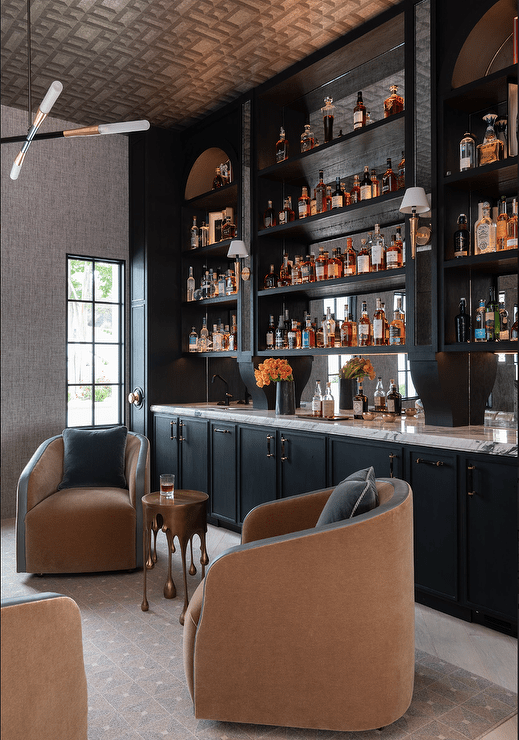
{"x": 495, "y": 263}
{"x": 371, "y": 282}
{"x": 219, "y": 249}
{"x": 498, "y": 178}
{"x": 215, "y": 200}
{"x": 483, "y": 93}
{"x": 495, "y": 347}
{"x": 315, "y": 351}
{"x": 224, "y": 300}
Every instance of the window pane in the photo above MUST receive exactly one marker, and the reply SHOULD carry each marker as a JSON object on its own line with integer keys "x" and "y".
{"x": 106, "y": 324}
{"x": 79, "y": 406}
{"x": 79, "y": 322}
{"x": 106, "y": 282}
{"x": 79, "y": 363}
{"x": 79, "y": 280}
{"x": 106, "y": 407}
{"x": 107, "y": 364}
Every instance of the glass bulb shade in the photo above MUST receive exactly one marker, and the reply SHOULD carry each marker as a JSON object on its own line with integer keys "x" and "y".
{"x": 51, "y": 96}
{"x": 125, "y": 127}
{"x": 415, "y": 200}
{"x": 237, "y": 248}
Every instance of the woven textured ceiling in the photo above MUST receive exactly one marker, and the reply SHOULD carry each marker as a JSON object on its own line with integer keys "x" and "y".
{"x": 170, "y": 61}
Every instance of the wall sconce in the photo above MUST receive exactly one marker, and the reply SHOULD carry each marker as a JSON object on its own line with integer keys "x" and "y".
{"x": 238, "y": 250}
{"x": 414, "y": 202}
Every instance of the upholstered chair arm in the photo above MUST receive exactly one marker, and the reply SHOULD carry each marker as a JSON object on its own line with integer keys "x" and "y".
{"x": 137, "y": 467}
{"x": 284, "y": 515}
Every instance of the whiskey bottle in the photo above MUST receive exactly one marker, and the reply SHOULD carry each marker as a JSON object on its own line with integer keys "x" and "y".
{"x": 282, "y": 146}
{"x": 502, "y": 225}
{"x": 394, "y": 103}
{"x": 335, "y": 264}
{"x": 389, "y": 181}
{"x": 221, "y": 283}
{"x": 203, "y": 342}
{"x": 226, "y": 338}
{"x": 514, "y": 331}
{"x": 319, "y": 334}
{"x": 491, "y": 149}
{"x": 359, "y": 113}
{"x": 317, "y": 400}
{"x": 193, "y": 340}
{"x": 328, "y": 403}
{"x": 485, "y": 232}
{"x": 379, "y": 396}
{"x": 400, "y": 243}
{"x": 295, "y": 273}
{"x": 285, "y": 273}
{"x": 320, "y": 194}
{"x": 313, "y": 204}
{"x": 394, "y": 400}
{"x": 349, "y": 258}
{"x": 228, "y": 229}
{"x": 327, "y": 203}
{"x": 511, "y": 239}
{"x": 379, "y": 326}
{"x": 378, "y": 251}
{"x": 363, "y": 258}
{"x": 375, "y": 184}
{"x": 321, "y": 265}
{"x": 397, "y": 326}
{"x": 365, "y": 187}
{"x": 194, "y": 235}
{"x": 230, "y": 283}
{"x": 328, "y": 330}
{"x": 462, "y": 323}
{"x": 287, "y": 214}
{"x": 269, "y": 217}
{"x": 308, "y": 335}
{"x": 303, "y": 203}
{"x": 337, "y": 198}
{"x": 307, "y": 139}
{"x": 492, "y": 325}
{"x": 279, "y": 338}
{"x": 504, "y": 333}
{"x": 291, "y": 335}
{"x": 479, "y": 323}
{"x": 501, "y": 128}
{"x": 394, "y": 255}
{"x": 355, "y": 190}
{"x": 271, "y": 279}
{"x": 213, "y": 285}
{"x": 190, "y": 286}
{"x": 327, "y": 111}
{"x": 360, "y": 402}
{"x": 218, "y": 179}
{"x": 364, "y": 332}
{"x": 467, "y": 152}
{"x": 401, "y": 173}
{"x": 271, "y": 333}
{"x": 462, "y": 238}
{"x": 307, "y": 270}
{"x": 233, "y": 335}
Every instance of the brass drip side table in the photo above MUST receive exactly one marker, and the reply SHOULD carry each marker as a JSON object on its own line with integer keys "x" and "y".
{"x": 182, "y": 517}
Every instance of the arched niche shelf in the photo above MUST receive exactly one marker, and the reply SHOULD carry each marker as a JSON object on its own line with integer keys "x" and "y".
{"x": 200, "y": 179}
{"x": 489, "y": 46}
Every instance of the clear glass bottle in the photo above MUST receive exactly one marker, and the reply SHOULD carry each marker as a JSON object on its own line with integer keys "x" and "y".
{"x": 230, "y": 283}
{"x": 271, "y": 279}
{"x": 292, "y": 335}
{"x": 194, "y": 235}
{"x": 193, "y": 340}
{"x": 492, "y": 318}
{"x": 269, "y": 217}
{"x": 282, "y": 146}
{"x": 378, "y": 251}
{"x": 204, "y": 234}
{"x": 285, "y": 273}
{"x": 502, "y": 225}
{"x": 221, "y": 283}
{"x": 467, "y": 152}
{"x": 491, "y": 148}
{"x": 328, "y": 403}
{"x": 394, "y": 103}
{"x": 327, "y": 203}
{"x": 360, "y": 401}
{"x": 271, "y": 333}
{"x": 389, "y": 179}
{"x": 485, "y": 232}
{"x": 364, "y": 330}
{"x": 303, "y": 203}
{"x": 317, "y": 400}
{"x": 479, "y": 322}
{"x": 462, "y": 323}
{"x": 359, "y": 113}
{"x": 279, "y": 337}
{"x": 307, "y": 139}
{"x": 379, "y": 333}
{"x": 394, "y": 400}
{"x": 217, "y": 339}
{"x": 307, "y": 274}
{"x": 379, "y": 396}
{"x": 328, "y": 330}
{"x": 190, "y": 286}
{"x": 462, "y": 238}
{"x": 287, "y": 214}
{"x": 365, "y": 186}
{"x": 337, "y": 197}
{"x": 511, "y": 239}
{"x": 203, "y": 342}
{"x": 328, "y": 110}
{"x": 397, "y": 326}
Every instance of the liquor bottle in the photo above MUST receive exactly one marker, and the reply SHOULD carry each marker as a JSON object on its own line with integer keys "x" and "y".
{"x": 360, "y": 402}
{"x": 337, "y": 197}
{"x": 233, "y": 335}
{"x": 269, "y": 217}
{"x": 203, "y": 342}
{"x": 400, "y": 242}
{"x": 316, "y": 399}
{"x": 190, "y": 293}
{"x": 228, "y": 228}
{"x": 194, "y": 235}
{"x": 394, "y": 400}
{"x": 271, "y": 279}
{"x": 479, "y": 323}
{"x": 386, "y": 323}
{"x": 193, "y": 340}
{"x": 349, "y": 258}
{"x": 285, "y": 273}
{"x": 230, "y": 283}
{"x": 501, "y": 127}
{"x": 397, "y": 326}
{"x": 319, "y": 334}
{"x": 213, "y": 284}
{"x": 511, "y": 239}
{"x": 327, "y": 202}
{"x": 363, "y": 258}
{"x": 291, "y": 335}
{"x": 204, "y": 235}
{"x": 492, "y": 325}
{"x": 401, "y": 173}
{"x": 467, "y": 152}
{"x": 462, "y": 238}
{"x": 485, "y": 232}
{"x": 221, "y": 283}
{"x": 328, "y": 330}
{"x": 502, "y": 225}
{"x": 313, "y": 204}
{"x": 308, "y": 335}
{"x": 365, "y": 186}
{"x": 295, "y": 273}
{"x": 327, "y": 111}
{"x": 226, "y": 338}
{"x": 279, "y": 338}
{"x": 287, "y": 214}
{"x": 389, "y": 181}
{"x": 378, "y": 251}
{"x": 355, "y": 190}
{"x": 217, "y": 339}
{"x": 205, "y": 284}
{"x": 303, "y": 203}
{"x": 271, "y": 333}
{"x": 379, "y": 327}
{"x": 369, "y": 120}
{"x": 379, "y": 396}
{"x": 394, "y": 103}
{"x": 328, "y": 403}
{"x": 364, "y": 332}
{"x": 394, "y": 255}
{"x": 218, "y": 179}
{"x": 346, "y": 197}
{"x": 320, "y": 193}
{"x": 359, "y": 113}
{"x": 282, "y": 146}
{"x": 321, "y": 265}
{"x": 375, "y": 184}
{"x": 307, "y": 139}
{"x": 514, "y": 331}
{"x": 491, "y": 149}
{"x": 462, "y": 323}
{"x": 504, "y": 333}
{"x": 335, "y": 265}
{"x": 306, "y": 271}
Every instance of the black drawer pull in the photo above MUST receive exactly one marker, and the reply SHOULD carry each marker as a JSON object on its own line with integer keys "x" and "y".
{"x": 437, "y": 464}
{"x": 222, "y": 431}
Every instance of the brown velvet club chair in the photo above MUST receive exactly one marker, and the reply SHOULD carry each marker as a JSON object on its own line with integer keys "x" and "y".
{"x": 308, "y": 627}
{"x": 44, "y": 687}
{"x": 79, "y": 530}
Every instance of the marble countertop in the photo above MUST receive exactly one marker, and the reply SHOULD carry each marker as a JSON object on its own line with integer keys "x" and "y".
{"x": 487, "y": 439}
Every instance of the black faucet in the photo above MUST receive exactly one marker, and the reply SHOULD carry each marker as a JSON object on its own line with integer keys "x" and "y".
{"x": 228, "y": 395}
{"x": 247, "y": 397}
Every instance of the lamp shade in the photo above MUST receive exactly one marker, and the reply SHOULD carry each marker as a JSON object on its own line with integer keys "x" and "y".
{"x": 237, "y": 248}
{"x": 414, "y": 200}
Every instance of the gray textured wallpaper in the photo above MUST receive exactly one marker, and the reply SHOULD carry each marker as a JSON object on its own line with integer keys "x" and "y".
{"x": 71, "y": 197}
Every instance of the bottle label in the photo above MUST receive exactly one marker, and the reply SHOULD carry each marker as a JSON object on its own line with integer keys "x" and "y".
{"x": 483, "y": 238}
{"x": 282, "y": 218}
{"x": 479, "y": 334}
{"x": 358, "y": 407}
{"x": 193, "y": 344}
{"x": 349, "y": 269}
{"x": 319, "y": 271}
{"x": 377, "y": 254}
{"x": 305, "y": 340}
{"x": 511, "y": 243}
{"x": 363, "y": 334}
{"x": 362, "y": 263}
{"x": 378, "y": 329}
{"x": 391, "y": 405}
{"x": 328, "y": 408}
{"x": 365, "y": 192}
{"x": 358, "y": 117}
{"x": 465, "y": 163}
{"x": 291, "y": 340}
{"x": 392, "y": 258}
{"x": 380, "y": 402}
{"x": 270, "y": 339}
{"x": 268, "y": 220}
{"x": 316, "y": 406}
{"x": 337, "y": 201}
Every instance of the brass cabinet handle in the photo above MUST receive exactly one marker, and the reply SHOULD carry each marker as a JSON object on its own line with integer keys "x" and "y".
{"x": 283, "y": 456}
{"x": 222, "y": 431}
{"x": 470, "y": 483}
{"x": 171, "y": 435}
{"x": 269, "y": 453}
{"x": 437, "y": 464}
{"x": 181, "y": 437}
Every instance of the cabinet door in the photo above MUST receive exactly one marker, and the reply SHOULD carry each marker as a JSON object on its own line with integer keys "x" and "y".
{"x": 347, "y": 456}
{"x": 257, "y": 467}
{"x": 192, "y": 435}
{"x": 491, "y": 505}
{"x": 302, "y": 459}
{"x": 433, "y": 479}
{"x": 165, "y": 449}
{"x": 223, "y": 471}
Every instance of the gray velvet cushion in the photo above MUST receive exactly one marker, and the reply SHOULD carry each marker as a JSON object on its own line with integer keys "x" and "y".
{"x": 94, "y": 458}
{"x": 355, "y": 495}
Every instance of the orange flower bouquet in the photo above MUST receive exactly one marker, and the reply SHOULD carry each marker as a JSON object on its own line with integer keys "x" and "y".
{"x": 356, "y": 368}
{"x": 273, "y": 370}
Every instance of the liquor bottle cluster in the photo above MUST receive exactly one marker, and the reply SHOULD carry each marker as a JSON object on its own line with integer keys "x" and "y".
{"x": 361, "y": 117}
{"x": 491, "y": 233}
{"x": 373, "y": 256}
{"x": 493, "y": 148}
{"x": 326, "y": 197}
{"x": 323, "y": 404}
{"x": 491, "y": 321}
{"x": 222, "y": 338}
{"x": 225, "y": 228}
{"x": 212, "y": 284}
{"x": 223, "y": 175}
{"x": 377, "y": 331}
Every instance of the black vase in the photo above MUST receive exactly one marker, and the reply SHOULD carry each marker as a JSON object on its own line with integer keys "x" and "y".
{"x": 285, "y": 397}
{"x": 346, "y": 393}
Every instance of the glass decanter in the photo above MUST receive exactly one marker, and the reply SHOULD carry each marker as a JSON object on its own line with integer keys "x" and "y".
{"x": 491, "y": 149}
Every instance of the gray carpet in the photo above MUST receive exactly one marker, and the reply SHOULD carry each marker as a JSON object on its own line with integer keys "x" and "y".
{"x": 135, "y": 674}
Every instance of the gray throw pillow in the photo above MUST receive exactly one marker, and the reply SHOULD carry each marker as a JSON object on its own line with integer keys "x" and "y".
{"x": 355, "y": 495}
{"x": 94, "y": 458}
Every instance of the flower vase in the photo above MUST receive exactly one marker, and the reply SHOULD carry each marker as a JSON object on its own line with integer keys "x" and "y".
{"x": 346, "y": 393}
{"x": 285, "y": 397}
